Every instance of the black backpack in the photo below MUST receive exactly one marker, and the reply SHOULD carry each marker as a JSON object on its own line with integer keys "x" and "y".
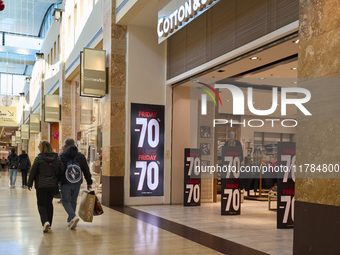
{"x": 73, "y": 172}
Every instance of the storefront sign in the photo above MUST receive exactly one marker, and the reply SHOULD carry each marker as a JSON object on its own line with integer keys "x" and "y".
{"x": 13, "y": 140}
{"x": 25, "y": 132}
{"x": 18, "y": 137}
{"x": 8, "y": 116}
{"x": 178, "y": 13}
{"x": 192, "y": 177}
{"x": 93, "y": 73}
{"x": 147, "y": 150}
{"x": 34, "y": 123}
{"x": 86, "y": 110}
{"x": 286, "y": 185}
{"x": 52, "y": 108}
{"x": 230, "y": 182}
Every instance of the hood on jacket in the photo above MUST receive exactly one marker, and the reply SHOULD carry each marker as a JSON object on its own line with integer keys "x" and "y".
{"x": 12, "y": 155}
{"x": 70, "y": 151}
{"x": 24, "y": 155}
{"x": 48, "y": 156}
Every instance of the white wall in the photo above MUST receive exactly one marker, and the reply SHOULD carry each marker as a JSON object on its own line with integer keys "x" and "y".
{"x": 145, "y": 83}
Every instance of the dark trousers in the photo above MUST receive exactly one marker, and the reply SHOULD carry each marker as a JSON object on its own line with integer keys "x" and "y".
{"x": 45, "y": 205}
{"x": 24, "y": 177}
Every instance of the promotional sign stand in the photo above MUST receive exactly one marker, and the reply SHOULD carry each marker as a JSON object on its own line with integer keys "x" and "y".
{"x": 286, "y": 185}
{"x": 230, "y": 192}
{"x": 147, "y": 150}
{"x": 192, "y": 177}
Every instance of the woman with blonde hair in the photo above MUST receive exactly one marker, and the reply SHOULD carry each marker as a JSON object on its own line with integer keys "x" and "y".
{"x": 46, "y": 172}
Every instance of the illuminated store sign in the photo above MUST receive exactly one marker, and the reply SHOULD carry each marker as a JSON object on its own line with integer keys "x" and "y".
{"x": 52, "y": 109}
{"x": 171, "y": 19}
{"x": 34, "y": 123}
{"x": 25, "y": 134}
{"x": 93, "y": 73}
{"x": 18, "y": 137}
{"x": 13, "y": 140}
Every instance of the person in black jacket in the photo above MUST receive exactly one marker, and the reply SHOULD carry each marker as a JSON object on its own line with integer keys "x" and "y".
{"x": 12, "y": 162}
{"x": 70, "y": 191}
{"x": 24, "y": 165}
{"x": 46, "y": 171}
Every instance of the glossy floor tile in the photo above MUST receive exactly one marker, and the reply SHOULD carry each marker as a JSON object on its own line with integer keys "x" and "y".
{"x": 254, "y": 228}
{"x": 111, "y": 233}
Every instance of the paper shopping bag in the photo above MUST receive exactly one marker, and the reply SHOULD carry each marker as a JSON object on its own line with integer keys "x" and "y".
{"x": 86, "y": 206}
{"x": 98, "y": 209}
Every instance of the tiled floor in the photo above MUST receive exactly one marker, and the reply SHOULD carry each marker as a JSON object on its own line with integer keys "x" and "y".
{"x": 117, "y": 233}
{"x": 255, "y": 227}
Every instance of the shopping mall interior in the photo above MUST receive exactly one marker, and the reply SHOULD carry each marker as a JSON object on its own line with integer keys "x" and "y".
{"x": 158, "y": 95}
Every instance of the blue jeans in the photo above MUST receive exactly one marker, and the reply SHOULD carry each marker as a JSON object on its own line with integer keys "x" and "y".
{"x": 69, "y": 194}
{"x": 12, "y": 176}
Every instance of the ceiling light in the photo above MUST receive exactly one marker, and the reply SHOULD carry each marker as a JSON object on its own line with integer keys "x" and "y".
{"x": 261, "y": 78}
{"x": 294, "y": 68}
{"x": 297, "y": 41}
{"x": 294, "y": 82}
{"x": 254, "y": 58}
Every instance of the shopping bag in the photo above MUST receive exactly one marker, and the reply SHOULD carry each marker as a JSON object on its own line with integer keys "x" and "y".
{"x": 86, "y": 207}
{"x": 98, "y": 209}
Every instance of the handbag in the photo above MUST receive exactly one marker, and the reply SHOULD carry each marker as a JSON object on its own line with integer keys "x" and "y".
{"x": 86, "y": 207}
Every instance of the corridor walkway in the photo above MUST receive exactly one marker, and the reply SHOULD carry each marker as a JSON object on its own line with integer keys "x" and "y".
{"x": 112, "y": 233}
{"x": 138, "y": 230}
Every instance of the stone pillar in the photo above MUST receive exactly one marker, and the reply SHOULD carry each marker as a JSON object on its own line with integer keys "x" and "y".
{"x": 44, "y": 125}
{"x": 317, "y": 203}
{"x": 65, "y": 123}
{"x": 113, "y": 163}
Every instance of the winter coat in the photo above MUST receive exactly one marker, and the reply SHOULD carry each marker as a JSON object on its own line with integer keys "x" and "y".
{"x": 69, "y": 154}
{"x": 13, "y": 161}
{"x": 46, "y": 170}
{"x": 24, "y": 161}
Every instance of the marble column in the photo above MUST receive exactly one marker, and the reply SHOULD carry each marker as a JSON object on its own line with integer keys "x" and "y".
{"x": 113, "y": 162}
{"x": 317, "y": 203}
{"x": 65, "y": 124}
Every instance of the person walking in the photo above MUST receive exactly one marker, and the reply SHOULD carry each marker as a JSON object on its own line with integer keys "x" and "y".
{"x": 75, "y": 167}
{"x": 46, "y": 172}
{"x": 12, "y": 162}
{"x": 24, "y": 165}
{"x": 3, "y": 163}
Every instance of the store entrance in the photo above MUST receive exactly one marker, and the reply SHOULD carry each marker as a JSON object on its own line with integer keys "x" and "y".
{"x": 272, "y": 67}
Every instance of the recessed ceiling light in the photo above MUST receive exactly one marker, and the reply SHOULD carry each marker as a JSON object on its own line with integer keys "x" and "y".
{"x": 296, "y": 41}
{"x": 228, "y": 100}
{"x": 294, "y": 82}
{"x": 294, "y": 68}
{"x": 254, "y": 58}
{"x": 261, "y": 78}
{"x": 221, "y": 71}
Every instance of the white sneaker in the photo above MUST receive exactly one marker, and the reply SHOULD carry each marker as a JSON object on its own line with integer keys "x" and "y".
{"x": 46, "y": 227}
{"x": 69, "y": 223}
{"x": 74, "y": 222}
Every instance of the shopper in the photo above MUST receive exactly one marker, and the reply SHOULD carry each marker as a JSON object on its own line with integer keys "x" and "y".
{"x": 24, "y": 165}
{"x": 46, "y": 172}
{"x": 12, "y": 162}
{"x": 75, "y": 166}
{"x": 3, "y": 163}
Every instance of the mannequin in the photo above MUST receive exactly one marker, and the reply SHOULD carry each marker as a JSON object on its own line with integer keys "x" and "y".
{"x": 233, "y": 142}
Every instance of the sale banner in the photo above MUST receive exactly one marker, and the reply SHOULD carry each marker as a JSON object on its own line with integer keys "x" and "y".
{"x": 192, "y": 177}
{"x": 286, "y": 184}
{"x": 230, "y": 182}
{"x": 147, "y": 150}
